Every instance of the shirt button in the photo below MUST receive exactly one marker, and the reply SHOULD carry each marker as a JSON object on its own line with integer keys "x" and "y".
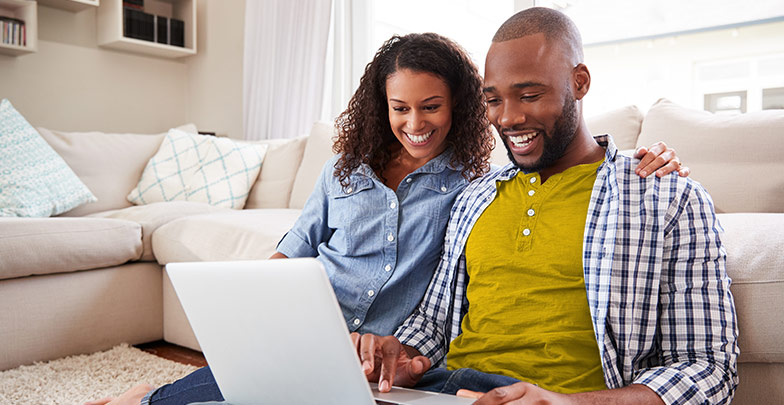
{"x": 531, "y": 193}
{"x": 388, "y": 267}
{"x": 533, "y": 180}
{"x": 408, "y": 180}
{"x": 349, "y": 190}
{"x": 392, "y": 205}
{"x": 390, "y": 237}
{"x": 371, "y": 293}
{"x": 531, "y": 212}
{"x": 526, "y": 232}
{"x": 356, "y": 322}
{"x": 443, "y": 189}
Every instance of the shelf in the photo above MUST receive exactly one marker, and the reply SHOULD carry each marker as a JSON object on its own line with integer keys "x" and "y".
{"x": 70, "y": 5}
{"x": 26, "y": 11}
{"x": 110, "y": 27}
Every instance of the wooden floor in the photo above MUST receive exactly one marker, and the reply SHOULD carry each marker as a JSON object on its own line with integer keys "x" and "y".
{"x": 175, "y": 353}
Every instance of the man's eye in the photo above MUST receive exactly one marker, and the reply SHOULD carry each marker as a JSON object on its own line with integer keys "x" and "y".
{"x": 529, "y": 96}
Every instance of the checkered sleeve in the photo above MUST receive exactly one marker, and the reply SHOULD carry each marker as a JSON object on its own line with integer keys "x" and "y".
{"x": 697, "y": 321}
{"x": 425, "y": 328}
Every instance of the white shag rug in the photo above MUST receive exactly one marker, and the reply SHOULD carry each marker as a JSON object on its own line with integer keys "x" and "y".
{"x": 77, "y": 379}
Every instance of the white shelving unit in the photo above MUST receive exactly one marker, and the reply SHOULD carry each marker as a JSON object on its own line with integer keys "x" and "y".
{"x": 110, "y": 27}
{"x": 26, "y": 11}
{"x": 70, "y": 5}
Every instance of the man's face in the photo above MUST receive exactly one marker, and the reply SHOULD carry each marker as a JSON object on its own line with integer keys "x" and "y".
{"x": 530, "y": 101}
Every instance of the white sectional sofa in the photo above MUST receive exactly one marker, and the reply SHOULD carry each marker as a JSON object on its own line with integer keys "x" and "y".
{"x": 93, "y": 277}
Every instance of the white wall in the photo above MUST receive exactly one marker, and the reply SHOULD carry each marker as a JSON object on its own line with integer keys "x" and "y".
{"x": 72, "y": 84}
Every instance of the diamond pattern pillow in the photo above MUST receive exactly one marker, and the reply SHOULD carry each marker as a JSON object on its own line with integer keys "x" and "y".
{"x": 34, "y": 180}
{"x": 190, "y": 167}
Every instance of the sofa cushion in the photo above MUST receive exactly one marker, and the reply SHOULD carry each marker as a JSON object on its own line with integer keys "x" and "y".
{"x": 109, "y": 164}
{"x": 34, "y": 180}
{"x": 738, "y": 159}
{"x": 276, "y": 178}
{"x": 152, "y": 216}
{"x": 192, "y": 167}
{"x": 623, "y": 124}
{"x": 756, "y": 266}
{"x": 318, "y": 150}
{"x": 56, "y": 245}
{"x": 226, "y": 235}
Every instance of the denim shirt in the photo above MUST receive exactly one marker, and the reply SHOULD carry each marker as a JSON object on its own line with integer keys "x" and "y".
{"x": 380, "y": 247}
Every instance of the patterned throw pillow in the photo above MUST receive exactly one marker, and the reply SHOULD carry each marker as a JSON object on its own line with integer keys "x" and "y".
{"x": 34, "y": 180}
{"x": 190, "y": 167}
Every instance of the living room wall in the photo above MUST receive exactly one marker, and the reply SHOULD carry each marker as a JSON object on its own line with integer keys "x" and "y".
{"x": 71, "y": 84}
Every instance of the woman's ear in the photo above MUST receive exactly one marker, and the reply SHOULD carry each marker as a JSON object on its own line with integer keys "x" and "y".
{"x": 582, "y": 80}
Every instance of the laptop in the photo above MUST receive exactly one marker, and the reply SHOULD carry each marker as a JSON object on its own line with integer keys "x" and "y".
{"x": 273, "y": 333}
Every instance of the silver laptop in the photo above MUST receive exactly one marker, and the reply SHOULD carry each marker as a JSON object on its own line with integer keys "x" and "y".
{"x": 273, "y": 333}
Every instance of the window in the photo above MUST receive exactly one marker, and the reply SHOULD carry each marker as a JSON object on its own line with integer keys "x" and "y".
{"x": 726, "y": 103}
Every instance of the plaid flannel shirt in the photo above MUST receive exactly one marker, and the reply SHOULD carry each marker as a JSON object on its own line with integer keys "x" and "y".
{"x": 655, "y": 279}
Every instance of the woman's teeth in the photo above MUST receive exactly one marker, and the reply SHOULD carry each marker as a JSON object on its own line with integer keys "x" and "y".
{"x": 520, "y": 141}
{"x": 419, "y": 138}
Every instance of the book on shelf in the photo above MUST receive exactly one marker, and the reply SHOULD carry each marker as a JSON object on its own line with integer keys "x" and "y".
{"x": 176, "y": 32}
{"x": 161, "y": 29}
{"x": 13, "y": 31}
{"x": 138, "y": 24}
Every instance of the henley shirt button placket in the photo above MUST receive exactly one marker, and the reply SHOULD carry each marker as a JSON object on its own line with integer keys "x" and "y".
{"x": 531, "y": 212}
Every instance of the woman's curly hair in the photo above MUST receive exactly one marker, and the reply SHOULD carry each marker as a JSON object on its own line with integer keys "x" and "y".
{"x": 364, "y": 133}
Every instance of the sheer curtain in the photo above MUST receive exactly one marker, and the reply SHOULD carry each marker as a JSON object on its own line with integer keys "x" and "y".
{"x": 284, "y": 62}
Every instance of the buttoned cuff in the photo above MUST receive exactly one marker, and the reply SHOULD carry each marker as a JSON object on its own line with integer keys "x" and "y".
{"x": 425, "y": 343}
{"x": 293, "y": 246}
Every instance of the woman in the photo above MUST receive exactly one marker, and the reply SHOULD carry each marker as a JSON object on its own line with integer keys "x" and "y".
{"x": 413, "y": 136}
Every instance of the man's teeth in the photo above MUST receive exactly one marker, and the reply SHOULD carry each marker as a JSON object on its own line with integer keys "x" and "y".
{"x": 522, "y": 140}
{"x": 419, "y": 138}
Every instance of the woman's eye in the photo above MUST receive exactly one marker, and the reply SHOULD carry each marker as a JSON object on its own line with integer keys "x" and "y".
{"x": 399, "y": 109}
{"x": 493, "y": 101}
{"x": 431, "y": 107}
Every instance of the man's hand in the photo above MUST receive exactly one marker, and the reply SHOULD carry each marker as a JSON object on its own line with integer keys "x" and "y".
{"x": 519, "y": 393}
{"x": 659, "y": 158}
{"x": 385, "y": 360}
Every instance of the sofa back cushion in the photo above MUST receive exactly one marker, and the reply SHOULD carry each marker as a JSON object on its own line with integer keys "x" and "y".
{"x": 276, "y": 179}
{"x": 623, "y": 124}
{"x": 109, "y": 164}
{"x": 318, "y": 149}
{"x": 738, "y": 159}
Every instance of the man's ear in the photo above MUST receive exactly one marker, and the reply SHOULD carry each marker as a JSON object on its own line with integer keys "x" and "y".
{"x": 582, "y": 80}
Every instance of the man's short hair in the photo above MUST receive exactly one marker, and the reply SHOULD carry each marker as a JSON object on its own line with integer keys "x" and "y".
{"x": 555, "y": 25}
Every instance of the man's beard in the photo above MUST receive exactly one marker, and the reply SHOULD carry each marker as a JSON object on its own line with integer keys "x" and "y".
{"x": 555, "y": 144}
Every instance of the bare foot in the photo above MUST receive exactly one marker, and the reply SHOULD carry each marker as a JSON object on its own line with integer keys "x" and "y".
{"x": 131, "y": 397}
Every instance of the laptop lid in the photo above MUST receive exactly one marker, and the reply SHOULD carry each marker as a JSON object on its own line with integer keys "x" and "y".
{"x": 273, "y": 333}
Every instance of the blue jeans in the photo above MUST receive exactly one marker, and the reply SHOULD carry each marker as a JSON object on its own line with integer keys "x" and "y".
{"x": 200, "y": 386}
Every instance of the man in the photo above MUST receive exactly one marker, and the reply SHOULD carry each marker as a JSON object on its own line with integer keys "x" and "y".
{"x": 564, "y": 270}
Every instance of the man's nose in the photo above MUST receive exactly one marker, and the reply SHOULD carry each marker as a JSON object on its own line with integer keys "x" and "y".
{"x": 511, "y": 114}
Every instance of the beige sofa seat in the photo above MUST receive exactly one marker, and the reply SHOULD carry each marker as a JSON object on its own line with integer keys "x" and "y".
{"x": 152, "y": 216}
{"x": 227, "y": 235}
{"x": 756, "y": 265}
{"x": 30, "y": 246}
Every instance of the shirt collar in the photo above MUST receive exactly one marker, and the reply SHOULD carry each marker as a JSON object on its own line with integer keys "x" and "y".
{"x": 436, "y": 165}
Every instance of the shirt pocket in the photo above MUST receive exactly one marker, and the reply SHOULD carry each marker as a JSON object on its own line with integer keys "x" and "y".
{"x": 438, "y": 194}
{"x": 351, "y": 214}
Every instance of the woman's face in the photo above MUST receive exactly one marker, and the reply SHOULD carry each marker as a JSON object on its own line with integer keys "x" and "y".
{"x": 420, "y": 112}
